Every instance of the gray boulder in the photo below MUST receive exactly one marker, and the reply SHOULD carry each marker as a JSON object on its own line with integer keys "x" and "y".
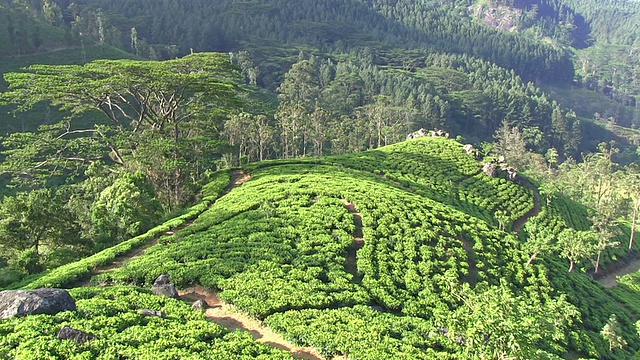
{"x": 69, "y": 333}
{"x": 162, "y": 286}
{"x": 163, "y": 279}
{"x": 156, "y": 313}
{"x": 39, "y": 301}
{"x": 200, "y": 305}
{"x": 489, "y": 169}
{"x": 168, "y": 290}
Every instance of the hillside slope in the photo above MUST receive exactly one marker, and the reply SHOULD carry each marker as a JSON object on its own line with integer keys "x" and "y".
{"x": 382, "y": 254}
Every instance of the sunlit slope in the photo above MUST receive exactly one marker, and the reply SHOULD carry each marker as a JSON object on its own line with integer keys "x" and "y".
{"x": 115, "y": 318}
{"x": 365, "y": 254}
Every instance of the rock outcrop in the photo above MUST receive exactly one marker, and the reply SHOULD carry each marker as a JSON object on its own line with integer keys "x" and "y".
{"x": 162, "y": 286}
{"x": 39, "y": 301}
{"x": 200, "y": 305}
{"x": 69, "y": 333}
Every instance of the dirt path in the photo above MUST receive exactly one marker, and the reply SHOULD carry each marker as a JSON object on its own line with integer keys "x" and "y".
{"x": 609, "y": 279}
{"x": 520, "y": 222}
{"x": 238, "y": 177}
{"x": 228, "y": 316}
{"x": 350, "y": 264}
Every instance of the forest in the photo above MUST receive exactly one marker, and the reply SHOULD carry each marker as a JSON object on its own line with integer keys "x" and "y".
{"x": 367, "y": 179}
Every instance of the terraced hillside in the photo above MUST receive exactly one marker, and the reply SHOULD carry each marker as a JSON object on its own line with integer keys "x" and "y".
{"x": 396, "y": 253}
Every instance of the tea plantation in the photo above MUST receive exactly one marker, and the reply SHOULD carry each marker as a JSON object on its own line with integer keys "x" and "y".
{"x": 440, "y": 273}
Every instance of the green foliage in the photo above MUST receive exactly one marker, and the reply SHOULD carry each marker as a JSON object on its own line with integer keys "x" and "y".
{"x": 611, "y": 332}
{"x": 122, "y": 332}
{"x": 494, "y": 323}
{"x": 22, "y": 34}
{"x": 228, "y": 25}
{"x": 125, "y": 209}
{"x": 361, "y": 332}
{"x": 160, "y": 118}
{"x": 69, "y": 274}
{"x": 33, "y": 226}
{"x": 279, "y": 243}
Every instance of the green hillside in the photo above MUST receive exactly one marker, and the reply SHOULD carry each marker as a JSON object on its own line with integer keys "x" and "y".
{"x": 273, "y": 180}
{"x": 22, "y": 34}
{"x": 389, "y": 253}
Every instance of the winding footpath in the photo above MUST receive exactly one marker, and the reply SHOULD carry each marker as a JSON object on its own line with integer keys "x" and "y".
{"x": 231, "y": 318}
{"x": 518, "y": 225}
{"x": 609, "y": 278}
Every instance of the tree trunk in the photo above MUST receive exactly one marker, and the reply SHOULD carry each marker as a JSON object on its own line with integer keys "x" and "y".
{"x": 571, "y": 266}
{"x": 532, "y": 259}
{"x": 633, "y": 227}
{"x": 379, "y": 133}
{"x": 598, "y": 261}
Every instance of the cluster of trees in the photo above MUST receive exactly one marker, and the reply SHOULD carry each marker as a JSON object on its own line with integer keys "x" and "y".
{"x": 329, "y": 106}
{"x": 607, "y": 189}
{"x": 157, "y": 135}
{"x": 610, "y": 66}
{"x": 610, "y": 21}
{"x": 612, "y": 70}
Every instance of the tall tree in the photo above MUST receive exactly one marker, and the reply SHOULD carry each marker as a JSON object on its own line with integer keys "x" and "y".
{"x": 176, "y": 106}
{"x": 577, "y": 245}
{"x": 298, "y": 96}
{"x": 632, "y": 180}
{"x": 611, "y": 332}
{"x": 510, "y": 144}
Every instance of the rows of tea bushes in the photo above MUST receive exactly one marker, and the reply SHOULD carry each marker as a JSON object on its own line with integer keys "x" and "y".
{"x": 363, "y": 333}
{"x": 497, "y": 195}
{"x": 288, "y": 226}
{"x": 278, "y": 243}
{"x": 113, "y": 316}
{"x": 573, "y": 214}
{"x": 439, "y": 169}
{"x": 271, "y": 230}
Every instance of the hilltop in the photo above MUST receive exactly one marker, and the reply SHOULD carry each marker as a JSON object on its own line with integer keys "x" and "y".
{"x": 381, "y": 254}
